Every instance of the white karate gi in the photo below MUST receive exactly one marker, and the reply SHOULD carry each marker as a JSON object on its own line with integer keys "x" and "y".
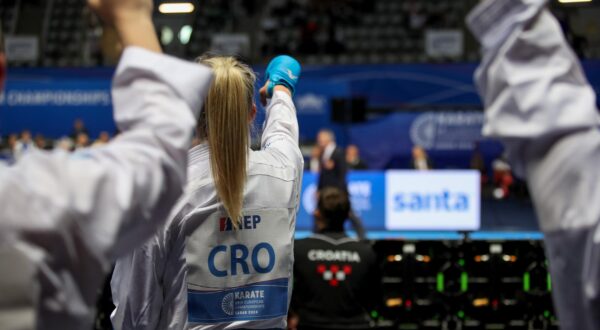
{"x": 200, "y": 270}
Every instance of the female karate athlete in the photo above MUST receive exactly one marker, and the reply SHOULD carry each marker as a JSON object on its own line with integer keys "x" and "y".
{"x": 65, "y": 217}
{"x": 225, "y": 259}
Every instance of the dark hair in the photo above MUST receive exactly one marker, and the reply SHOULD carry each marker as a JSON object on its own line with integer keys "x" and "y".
{"x": 334, "y": 207}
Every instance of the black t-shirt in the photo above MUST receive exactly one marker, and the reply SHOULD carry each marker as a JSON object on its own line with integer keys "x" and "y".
{"x": 336, "y": 282}
{"x": 336, "y": 176}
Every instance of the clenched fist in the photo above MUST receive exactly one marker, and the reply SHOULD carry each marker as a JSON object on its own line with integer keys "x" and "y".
{"x": 132, "y": 20}
{"x": 115, "y": 11}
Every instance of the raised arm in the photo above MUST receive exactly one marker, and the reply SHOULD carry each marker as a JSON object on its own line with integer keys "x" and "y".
{"x": 539, "y": 103}
{"x": 531, "y": 82}
{"x": 281, "y": 130}
{"x": 112, "y": 198}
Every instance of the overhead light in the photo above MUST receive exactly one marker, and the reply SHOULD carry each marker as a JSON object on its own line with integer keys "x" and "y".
{"x": 573, "y": 1}
{"x": 176, "y": 8}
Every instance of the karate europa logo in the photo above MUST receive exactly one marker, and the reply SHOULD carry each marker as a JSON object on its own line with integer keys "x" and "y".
{"x": 228, "y": 304}
{"x": 447, "y": 130}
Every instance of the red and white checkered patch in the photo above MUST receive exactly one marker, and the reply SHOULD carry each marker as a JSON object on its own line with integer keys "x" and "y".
{"x": 334, "y": 274}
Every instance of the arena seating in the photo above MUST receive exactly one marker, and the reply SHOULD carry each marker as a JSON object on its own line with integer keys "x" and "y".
{"x": 317, "y": 31}
{"x": 65, "y": 33}
{"x": 8, "y": 15}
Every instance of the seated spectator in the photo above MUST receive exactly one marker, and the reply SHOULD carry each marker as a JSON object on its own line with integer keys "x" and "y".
{"x": 503, "y": 178}
{"x": 64, "y": 143}
{"x": 420, "y": 159}
{"x": 337, "y": 278}
{"x": 23, "y": 145}
{"x": 82, "y": 141}
{"x": 353, "y": 158}
{"x": 40, "y": 142}
{"x": 78, "y": 127}
{"x": 11, "y": 143}
{"x": 103, "y": 139}
{"x": 9, "y": 147}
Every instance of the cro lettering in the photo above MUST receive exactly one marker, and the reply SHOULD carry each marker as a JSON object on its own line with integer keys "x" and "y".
{"x": 238, "y": 256}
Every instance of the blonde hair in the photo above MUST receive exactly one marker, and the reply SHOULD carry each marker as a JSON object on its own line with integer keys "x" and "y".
{"x": 225, "y": 125}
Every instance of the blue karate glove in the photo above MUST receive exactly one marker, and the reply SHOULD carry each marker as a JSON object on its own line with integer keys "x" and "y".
{"x": 283, "y": 70}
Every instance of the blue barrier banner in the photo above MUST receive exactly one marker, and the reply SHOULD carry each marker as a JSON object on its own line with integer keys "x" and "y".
{"x": 50, "y": 107}
{"x": 433, "y": 200}
{"x": 258, "y": 301}
{"x": 47, "y": 101}
{"x": 405, "y": 200}
{"x": 367, "y": 194}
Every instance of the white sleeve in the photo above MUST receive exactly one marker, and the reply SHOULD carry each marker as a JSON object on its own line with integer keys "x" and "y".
{"x": 280, "y": 135}
{"x": 137, "y": 289}
{"x": 530, "y": 80}
{"x": 113, "y": 197}
{"x": 540, "y": 104}
{"x": 148, "y": 285}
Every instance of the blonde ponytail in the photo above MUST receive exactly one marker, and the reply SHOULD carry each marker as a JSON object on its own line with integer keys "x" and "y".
{"x": 225, "y": 125}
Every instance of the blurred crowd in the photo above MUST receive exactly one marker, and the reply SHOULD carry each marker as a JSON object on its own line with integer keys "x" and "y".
{"x": 497, "y": 179}
{"x": 15, "y": 145}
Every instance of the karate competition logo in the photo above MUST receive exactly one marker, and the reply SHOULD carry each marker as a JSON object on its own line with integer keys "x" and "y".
{"x": 447, "y": 130}
{"x": 244, "y": 303}
{"x": 311, "y": 103}
{"x": 228, "y": 304}
{"x": 334, "y": 274}
{"x": 423, "y": 131}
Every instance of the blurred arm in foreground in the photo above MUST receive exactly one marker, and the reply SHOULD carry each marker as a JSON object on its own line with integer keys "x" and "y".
{"x": 539, "y": 103}
{"x": 65, "y": 217}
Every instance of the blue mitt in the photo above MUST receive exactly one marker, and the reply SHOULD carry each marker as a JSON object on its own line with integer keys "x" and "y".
{"x": 283, "y": 70}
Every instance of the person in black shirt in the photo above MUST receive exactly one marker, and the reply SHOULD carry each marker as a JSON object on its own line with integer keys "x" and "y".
{"x": 329, "y": 161}
{"x": 337, "y": 278}
{"x": 332, "y": 162}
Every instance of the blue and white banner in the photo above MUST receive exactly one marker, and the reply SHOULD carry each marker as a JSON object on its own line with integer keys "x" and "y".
{"x": 48, "y": 100}
{"x": 405, "y": 200}
{"x": 259, "y": 301}
{"x": 367, "y": 194}
{"x": 50, "y": 107}
{"x": 433, "y": 200}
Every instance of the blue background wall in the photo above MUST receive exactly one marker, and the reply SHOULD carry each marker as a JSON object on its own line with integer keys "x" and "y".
{"x": 47, "y": 101}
